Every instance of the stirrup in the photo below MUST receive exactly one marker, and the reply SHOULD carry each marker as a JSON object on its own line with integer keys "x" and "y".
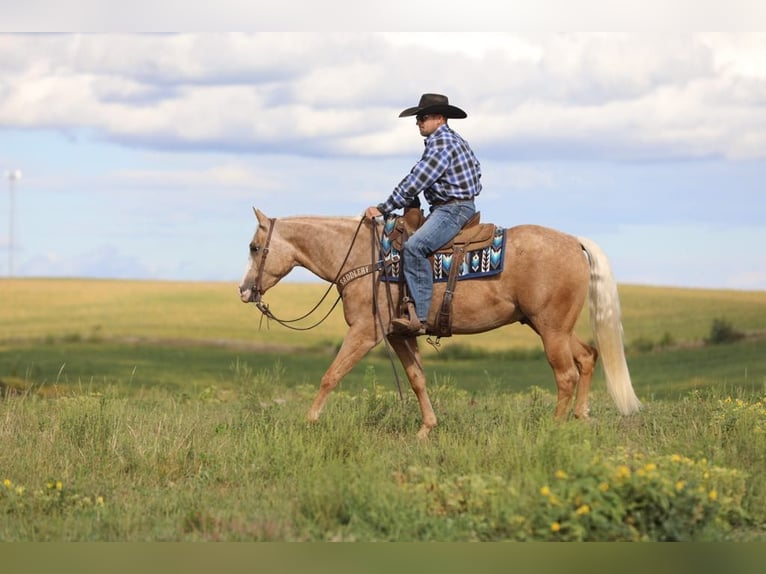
{"x": 408, "y": 327}
{"x": 407, "y": 309}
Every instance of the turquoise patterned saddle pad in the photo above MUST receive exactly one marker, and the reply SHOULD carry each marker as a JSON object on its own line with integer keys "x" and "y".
{"x": 483, "y": 262}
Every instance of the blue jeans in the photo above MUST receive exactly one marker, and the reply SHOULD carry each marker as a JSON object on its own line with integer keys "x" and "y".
{"x": 443, "y": 224}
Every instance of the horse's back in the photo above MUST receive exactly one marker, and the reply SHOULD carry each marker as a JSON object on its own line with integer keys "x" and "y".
{"x": 544, "y": 264}
{"x": 544, "y": 249}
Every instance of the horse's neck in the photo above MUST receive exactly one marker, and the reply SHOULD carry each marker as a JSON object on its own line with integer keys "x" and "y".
{"x": 322, "y": 243}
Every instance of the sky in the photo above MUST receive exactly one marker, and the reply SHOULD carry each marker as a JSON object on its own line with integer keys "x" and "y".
{"x": 142, "y": 154}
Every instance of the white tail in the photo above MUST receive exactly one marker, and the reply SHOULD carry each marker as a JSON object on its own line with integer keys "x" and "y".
{"x": 606, "y": 324}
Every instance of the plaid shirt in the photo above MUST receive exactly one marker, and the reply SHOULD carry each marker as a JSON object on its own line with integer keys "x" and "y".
{"x": 448, "y": 170}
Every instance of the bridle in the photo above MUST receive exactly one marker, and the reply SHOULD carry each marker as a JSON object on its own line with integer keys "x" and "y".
{"x": 257, "y": 290}
{"x": 340, "y": 279}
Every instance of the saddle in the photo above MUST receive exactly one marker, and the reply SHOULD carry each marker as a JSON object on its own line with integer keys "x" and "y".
{"x": 474, "y": 235}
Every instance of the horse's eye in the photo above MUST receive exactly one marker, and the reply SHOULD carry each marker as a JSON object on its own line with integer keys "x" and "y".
{"x": 254, "y": 249}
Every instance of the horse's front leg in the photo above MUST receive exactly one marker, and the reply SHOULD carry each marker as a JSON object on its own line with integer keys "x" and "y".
{"x": 409, "y": 354}
{"x": 357, "y": 343}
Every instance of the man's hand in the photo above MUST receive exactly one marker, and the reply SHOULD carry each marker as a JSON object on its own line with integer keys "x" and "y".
{"x": 372, "y": 212}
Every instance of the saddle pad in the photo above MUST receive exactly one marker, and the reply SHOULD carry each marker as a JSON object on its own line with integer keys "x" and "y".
{"x": 478, "y": 263}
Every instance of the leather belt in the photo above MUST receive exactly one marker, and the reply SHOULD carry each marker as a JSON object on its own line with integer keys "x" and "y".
{"x": 453, "y": 200}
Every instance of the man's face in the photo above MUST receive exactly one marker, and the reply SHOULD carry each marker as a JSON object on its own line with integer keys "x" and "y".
{"x": 428, "y": 123}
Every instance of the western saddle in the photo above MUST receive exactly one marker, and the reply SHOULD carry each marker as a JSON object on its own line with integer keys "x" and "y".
{"x": 473, "y": 236}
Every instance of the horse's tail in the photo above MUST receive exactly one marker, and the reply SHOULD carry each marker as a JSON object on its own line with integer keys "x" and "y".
{"x": 605, "y": 322}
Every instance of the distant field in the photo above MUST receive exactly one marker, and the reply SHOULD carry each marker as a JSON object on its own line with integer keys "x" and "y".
{"x": 211, "y": 312}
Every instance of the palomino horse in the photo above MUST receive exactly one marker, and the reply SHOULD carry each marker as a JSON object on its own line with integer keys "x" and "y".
{"x": 547, "y": 275}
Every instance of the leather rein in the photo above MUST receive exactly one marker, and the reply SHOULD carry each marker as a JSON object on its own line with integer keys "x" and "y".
{"x": 341, "y": 280}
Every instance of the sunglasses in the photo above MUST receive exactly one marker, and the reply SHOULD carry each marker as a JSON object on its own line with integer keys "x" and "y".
{"x": 420, "y": 118}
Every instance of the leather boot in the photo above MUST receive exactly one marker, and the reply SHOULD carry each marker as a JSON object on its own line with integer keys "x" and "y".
{"x": 410, "y": 325}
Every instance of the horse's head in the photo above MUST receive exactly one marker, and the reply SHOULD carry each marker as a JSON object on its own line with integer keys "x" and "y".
{"x": 267, "y": 262}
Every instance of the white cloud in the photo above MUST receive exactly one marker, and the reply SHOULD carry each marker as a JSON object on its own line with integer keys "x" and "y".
{"x": 618, "y": 96}
{"x": 217, "y": 177}
{"x": 476, "y": 45}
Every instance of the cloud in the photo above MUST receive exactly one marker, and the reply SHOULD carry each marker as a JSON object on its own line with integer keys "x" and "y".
{"x": 106, "y": 261}
{"x": 618, "y": 97}
{"x": 223, "y": 176}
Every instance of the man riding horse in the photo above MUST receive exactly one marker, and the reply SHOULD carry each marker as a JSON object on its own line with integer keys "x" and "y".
{"x": 449, "y": 176}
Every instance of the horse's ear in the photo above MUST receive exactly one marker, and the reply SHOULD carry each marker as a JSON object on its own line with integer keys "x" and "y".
{"x": 262, "y": 219}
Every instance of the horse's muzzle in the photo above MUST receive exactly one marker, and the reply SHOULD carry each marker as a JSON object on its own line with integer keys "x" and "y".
{"x": 247, "y": 294}
{"x": 250, "y": 295}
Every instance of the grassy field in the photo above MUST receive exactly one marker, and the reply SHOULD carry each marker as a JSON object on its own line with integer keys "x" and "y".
{"x": 212, "y": 313}
{"x": 139, "y": 411}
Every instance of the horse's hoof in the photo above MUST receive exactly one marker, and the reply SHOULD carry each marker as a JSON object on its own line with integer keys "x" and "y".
{"x": 423, "y": 432}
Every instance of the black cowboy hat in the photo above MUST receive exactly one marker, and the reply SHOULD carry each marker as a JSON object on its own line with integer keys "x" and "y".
{"x": 434, "y": 104}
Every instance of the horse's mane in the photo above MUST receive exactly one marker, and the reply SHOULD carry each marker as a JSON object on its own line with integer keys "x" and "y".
{"x": 353, "y": 218}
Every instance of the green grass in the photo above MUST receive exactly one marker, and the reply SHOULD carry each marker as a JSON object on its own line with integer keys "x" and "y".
{"x": 137, "y": 411}
{"x": 68, "y": 366}
{"x": 245, "y": 466}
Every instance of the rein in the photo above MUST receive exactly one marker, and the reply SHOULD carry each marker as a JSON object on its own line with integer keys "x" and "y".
{"x": 264, "y": 307}
{"x": 376, "y": 309}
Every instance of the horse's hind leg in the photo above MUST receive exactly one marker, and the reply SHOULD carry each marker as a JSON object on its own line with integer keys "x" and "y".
{"x": 559, "y": 353}
{"x": 409, "y": 354}
{"x": 585, "y": 358}
{"x": 356, "y": 345}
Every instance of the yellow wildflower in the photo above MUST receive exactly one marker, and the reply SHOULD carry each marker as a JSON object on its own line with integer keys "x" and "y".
{"x": 560, "y": 474}
{"x": 680, "y": 485}
{"x": 59, "y": 485}
{"x": 555, "y": 527}
{"x": 99, "y": 501}
{"x": 545, "y": 491}
{"x": 7, "y": 483}
{"x": 603, "y": 487}
{"x": 713, "y": 495}
{"x": 584, "y": 509}
{"x": 19, "y": 490}
{"x": 623, "y": 471}
{"x": 676, "y": 458}
{"x": 650, "y": 467}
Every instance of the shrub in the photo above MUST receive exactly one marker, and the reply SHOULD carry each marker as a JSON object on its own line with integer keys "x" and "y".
{"x": 647, "y": 345}
{"x": 642, "y": 345}
{"x": 479, "y": 503}
{"x": 625, "y": 498}
{"x": 634, "y": 498}
{"x": 721, "y": 331}
{"x": 667, "y": 340}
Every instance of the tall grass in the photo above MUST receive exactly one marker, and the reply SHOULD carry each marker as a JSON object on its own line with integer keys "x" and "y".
{"x": 244, "y": 465}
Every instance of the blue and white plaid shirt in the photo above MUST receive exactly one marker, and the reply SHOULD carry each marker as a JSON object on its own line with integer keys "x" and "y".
{"x": 448, "y": 170}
